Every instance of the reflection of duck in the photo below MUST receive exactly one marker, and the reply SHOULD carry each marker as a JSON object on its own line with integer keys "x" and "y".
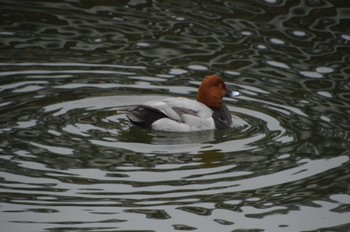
{"x": 178, "y": 114}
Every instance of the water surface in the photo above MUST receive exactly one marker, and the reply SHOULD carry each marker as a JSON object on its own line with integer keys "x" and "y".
{"x": 71, "y": 161}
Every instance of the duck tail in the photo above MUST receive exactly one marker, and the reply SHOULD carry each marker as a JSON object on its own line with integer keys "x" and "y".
{"x": 144, "y": 116}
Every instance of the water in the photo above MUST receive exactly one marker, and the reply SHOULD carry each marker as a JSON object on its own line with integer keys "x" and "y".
{"x": 71, "y": 161}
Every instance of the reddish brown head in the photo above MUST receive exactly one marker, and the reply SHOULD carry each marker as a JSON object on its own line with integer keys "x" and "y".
{"x": 211, "y": 91}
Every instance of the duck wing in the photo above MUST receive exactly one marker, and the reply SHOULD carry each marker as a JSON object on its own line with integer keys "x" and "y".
{"x": 176, "y": 113}
{"x": 175, "y": 107}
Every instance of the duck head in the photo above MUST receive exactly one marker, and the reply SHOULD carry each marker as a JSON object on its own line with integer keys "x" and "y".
{"x": 212, "y": 90}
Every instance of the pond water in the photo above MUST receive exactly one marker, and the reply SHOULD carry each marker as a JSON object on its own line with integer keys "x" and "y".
{"x": 71, "y": 161}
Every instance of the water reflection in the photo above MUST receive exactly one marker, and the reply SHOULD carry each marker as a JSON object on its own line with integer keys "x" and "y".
{"x": 87, "y": 154}
{"x": 70, "y": 160}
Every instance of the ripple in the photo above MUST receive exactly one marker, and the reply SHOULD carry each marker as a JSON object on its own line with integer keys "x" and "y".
{"x": 276, "y": 41}
{"x": 197, "y": 67}
{"x": 324, "y": 70}
{"x": 70, "y": 160}
{"x": 250, "y": 126}
{"x": 278, "y": 64}
{"x": 311, "y": 74}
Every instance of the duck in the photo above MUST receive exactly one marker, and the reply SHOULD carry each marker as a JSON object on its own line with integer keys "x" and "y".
{"x": 179, "y": 114}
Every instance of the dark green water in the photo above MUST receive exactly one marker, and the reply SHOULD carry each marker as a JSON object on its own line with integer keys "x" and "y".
{"x": 70, "y": 162}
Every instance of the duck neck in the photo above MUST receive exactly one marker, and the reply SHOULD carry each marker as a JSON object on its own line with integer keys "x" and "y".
{"x": 211, "y": 100}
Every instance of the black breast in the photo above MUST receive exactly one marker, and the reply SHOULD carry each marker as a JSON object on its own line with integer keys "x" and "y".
{"x": 222, "y": 117}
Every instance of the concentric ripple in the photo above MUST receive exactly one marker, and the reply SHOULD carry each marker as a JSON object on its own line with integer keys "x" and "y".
{"x": 74, "y": 151}
{"x": 71, "y": 161}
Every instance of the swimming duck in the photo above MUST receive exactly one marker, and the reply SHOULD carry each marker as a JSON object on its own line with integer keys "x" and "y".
{"x": 179, "y": 114}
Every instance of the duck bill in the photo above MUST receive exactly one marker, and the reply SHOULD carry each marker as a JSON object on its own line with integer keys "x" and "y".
{"x": 231, "y": 93}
